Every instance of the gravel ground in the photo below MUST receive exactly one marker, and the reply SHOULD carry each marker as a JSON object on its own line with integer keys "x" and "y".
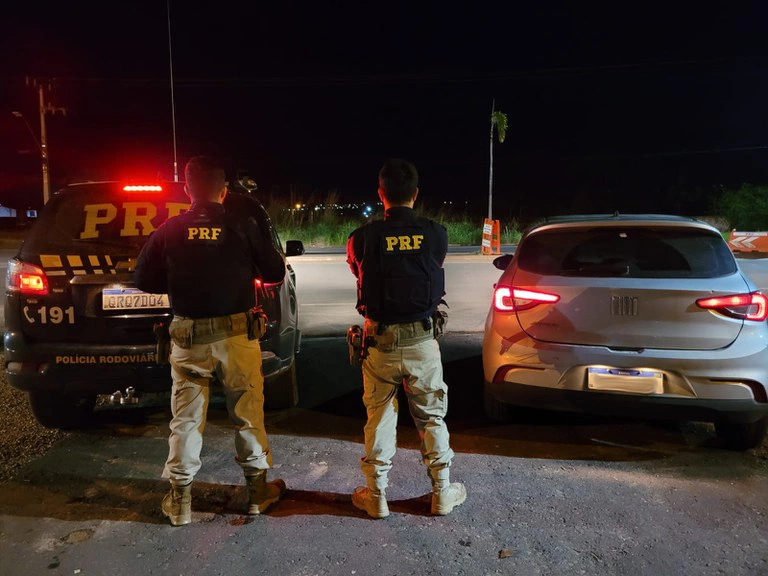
{"x": 22, "y": 439}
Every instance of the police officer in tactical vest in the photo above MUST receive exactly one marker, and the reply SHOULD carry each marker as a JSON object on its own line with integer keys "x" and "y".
{"x": 206, "y": 260}
{"x": 400, "y": 282}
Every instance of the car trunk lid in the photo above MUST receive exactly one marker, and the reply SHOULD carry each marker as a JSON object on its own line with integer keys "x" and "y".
{"x": 625, "y": 313}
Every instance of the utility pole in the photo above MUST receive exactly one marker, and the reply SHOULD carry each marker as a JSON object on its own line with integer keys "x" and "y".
{"x": 44, "y": 146}
{"x": 499, "y": 122}
{"x": 490, "y": 170}
{"x": 45, "y": 108}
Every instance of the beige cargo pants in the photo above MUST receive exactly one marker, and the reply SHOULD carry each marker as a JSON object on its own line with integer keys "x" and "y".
{"x": 418, "y": 367}
{"x": 237, "y": 363}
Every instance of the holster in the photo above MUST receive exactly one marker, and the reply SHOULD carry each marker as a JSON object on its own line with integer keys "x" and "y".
{"x": 359, "y": 344}
{"x": 439, "y": 320}
{"x": 163, "y": 337}
{"x": 355, "y": 345}
{"x": 181, "y": 331}
{"x": 257, "y": 324}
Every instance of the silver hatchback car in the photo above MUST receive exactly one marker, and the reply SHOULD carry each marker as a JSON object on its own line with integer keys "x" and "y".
{"x": 640, "y": 315}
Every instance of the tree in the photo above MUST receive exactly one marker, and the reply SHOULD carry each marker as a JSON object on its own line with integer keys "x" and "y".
{"x": 745, "y": 208}
{"x": 499, "y": 122}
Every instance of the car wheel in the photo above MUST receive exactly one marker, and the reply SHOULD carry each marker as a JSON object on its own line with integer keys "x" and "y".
{"x": 496, "y": 410}
{"x": 742, "y": 436}
{"x": 282, "y": 392}
{"x": 61, "y": 411}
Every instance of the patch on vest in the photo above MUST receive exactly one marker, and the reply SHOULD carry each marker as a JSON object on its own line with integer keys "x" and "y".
{"x": 410, "y": 243}
{"x": 203, "y": 234}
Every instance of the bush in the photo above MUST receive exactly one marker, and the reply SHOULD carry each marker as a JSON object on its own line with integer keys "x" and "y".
{"x": 745, "y": 208}
{"x": 326, "y": 227}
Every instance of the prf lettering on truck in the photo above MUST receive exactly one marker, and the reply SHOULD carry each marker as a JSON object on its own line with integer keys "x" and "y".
{"x": 409, "y": 243}
{"x": 138, "y": 217}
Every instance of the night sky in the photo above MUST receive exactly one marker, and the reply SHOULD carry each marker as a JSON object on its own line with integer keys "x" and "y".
{"x": 636, "y": 107}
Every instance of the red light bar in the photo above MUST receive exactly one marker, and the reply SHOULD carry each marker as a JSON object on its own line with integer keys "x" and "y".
{"x": 142, "y": 188}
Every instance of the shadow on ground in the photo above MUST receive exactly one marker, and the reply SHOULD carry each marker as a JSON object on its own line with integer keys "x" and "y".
{"x": 331, "y": 406}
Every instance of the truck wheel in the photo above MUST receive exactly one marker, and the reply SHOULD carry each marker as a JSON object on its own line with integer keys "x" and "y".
{"x": 282, "y": 392}
{"x": 61, "y": 411}
{"x": 742, "y": 436}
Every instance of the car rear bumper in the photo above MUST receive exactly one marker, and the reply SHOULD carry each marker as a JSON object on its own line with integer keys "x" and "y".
{"x": 727, "y": 384}
{"x": 79, "y": 369}
{"x": 640, "y": 406}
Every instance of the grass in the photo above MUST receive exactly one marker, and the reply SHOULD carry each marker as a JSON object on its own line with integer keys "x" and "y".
{"x": 323, "y": 228}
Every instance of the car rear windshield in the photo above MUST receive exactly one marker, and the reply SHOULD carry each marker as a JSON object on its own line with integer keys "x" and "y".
{"x": 638, "y": 252}
{"x": 96, "y": 216}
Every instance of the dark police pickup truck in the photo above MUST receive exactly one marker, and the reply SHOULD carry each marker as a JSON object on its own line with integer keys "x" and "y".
{"x": 76, "y": 327}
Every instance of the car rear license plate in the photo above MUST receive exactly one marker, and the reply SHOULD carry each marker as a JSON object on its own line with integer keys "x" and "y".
{"x": 131, "y": 299}
{"x": 631, "y": 381}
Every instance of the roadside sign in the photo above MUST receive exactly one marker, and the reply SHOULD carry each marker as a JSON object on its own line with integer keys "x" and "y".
{"x": 491, "y": 243}
{"x": 748, "y": 241}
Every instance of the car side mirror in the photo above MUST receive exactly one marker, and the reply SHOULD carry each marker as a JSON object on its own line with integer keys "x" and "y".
{"x": 294, "y": 248}
{"x": 503, "y": 261}
{"x": 248, "y": 183}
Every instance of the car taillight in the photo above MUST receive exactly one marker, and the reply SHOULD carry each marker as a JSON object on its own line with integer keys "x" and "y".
{"x": 507, "y": 298}
{"x": 26, "y": 278}
{"x": 258, "y": 283}
{"x": 751, "y": 306}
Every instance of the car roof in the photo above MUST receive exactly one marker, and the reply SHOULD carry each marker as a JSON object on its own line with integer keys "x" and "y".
{"x": 74, "y": 187}
{"x": 569, "y": 220}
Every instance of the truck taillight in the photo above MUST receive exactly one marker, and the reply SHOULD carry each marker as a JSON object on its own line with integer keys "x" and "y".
{"x": 142, "y": 188}
{"x": 750, "y": 306}
{"x": 508, "y": 299}
{"x": 26, "y": 278}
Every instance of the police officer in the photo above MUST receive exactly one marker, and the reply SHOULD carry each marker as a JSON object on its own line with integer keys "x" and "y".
{"x": 206, "y": 260}
{"x": 400, "y": 282}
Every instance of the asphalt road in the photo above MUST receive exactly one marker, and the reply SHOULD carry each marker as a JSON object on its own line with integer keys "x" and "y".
{"x": 327, "y": 294}
{"x": 548, "y": 493}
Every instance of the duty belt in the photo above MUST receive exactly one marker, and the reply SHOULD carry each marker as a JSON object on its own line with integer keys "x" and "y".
{"x": 186, "y": 331}
{"x": 391, "y": 336}
{"x": 233, "y": 324}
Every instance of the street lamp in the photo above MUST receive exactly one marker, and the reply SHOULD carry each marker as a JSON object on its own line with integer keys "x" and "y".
{"x": 43, "y": 151}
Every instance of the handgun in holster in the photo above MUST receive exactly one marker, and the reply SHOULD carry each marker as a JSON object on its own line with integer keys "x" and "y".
{"x": 439, "y": 320}
{"x": 163, "y": 337}
{"x": 257, "y": 324}
{"x": 358, "y": 345}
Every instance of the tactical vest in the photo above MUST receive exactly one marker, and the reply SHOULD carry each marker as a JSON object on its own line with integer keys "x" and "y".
{"x": 400, "y": 280}
{"x": 210, "y": 266}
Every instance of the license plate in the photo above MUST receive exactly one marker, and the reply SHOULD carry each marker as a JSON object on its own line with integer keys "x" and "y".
{"x": 131, "y": 299}
{"x": 631, "y": 381}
